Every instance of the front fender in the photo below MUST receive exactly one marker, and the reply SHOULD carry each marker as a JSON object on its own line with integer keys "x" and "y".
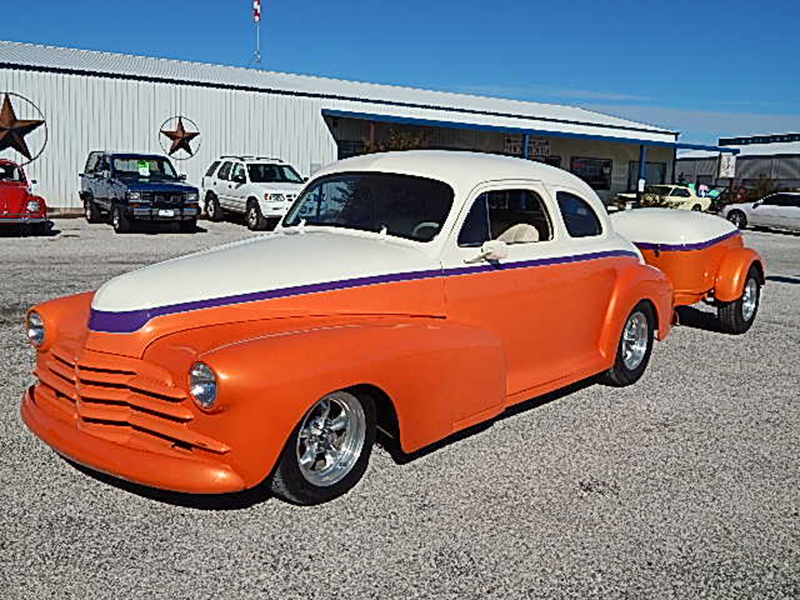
{"x": 635, "y": 283}
{"x": 732, "y": 273}
{"x": 425, "y": 366}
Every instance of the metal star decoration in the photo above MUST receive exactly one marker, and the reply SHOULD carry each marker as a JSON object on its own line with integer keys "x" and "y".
{"x": 181, "y": 139}
{"x": 14, "y": 130}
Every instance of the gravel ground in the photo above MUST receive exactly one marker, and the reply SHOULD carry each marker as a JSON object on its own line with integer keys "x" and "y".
{"x": 685, "y": 485}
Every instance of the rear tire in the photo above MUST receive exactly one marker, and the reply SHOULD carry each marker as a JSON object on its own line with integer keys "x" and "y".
{"x": 213, "y": 209}
{"x": 697, "y": 208}
{"x": 634, "y": 348}
{"x": 737, "y": 317}
{"x": 738, "y": 218}
{"x": 254, "y": 217}
{"x": 340, "y": 429}
{"x": 119, "y": 221}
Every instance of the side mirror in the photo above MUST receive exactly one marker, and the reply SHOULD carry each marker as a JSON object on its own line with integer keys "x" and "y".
{"x": 182, "y": 177}
{"x": 757, "y": 204}
{"x": 34, "y": 182}
{"x": 492, "y": 250}
{"x": 240, "y": 179}
{"x": 305, "y": 179}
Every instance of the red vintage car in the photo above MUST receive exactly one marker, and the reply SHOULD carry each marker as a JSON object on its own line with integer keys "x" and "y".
{"x": 18, "y": 206}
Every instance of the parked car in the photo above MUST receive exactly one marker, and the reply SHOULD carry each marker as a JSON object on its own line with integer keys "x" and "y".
{"x": 19, "y": 206}
{"x": 258, "y": 187}
{"x": 776, "y": 211}
{"x": 418, "y": 293}
{"x": 125, "y": 188}
{"x": 677, "y": 196}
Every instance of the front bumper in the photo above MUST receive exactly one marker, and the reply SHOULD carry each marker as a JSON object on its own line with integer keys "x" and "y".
{"x": 190, "y": 475}
{"x": 164, "y": 214}
{"x": 274, "y": 210}
{"x": 21, "y": 219}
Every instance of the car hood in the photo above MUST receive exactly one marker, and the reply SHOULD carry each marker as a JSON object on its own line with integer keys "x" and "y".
{"x": 281, "y": 265}
{"x": 158, "y": 186}
{"x": 739, "y": 205}
{"x": 281, "y": 188}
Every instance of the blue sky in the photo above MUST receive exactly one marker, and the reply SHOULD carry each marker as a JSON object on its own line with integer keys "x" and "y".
{"x": 705, "y": 68}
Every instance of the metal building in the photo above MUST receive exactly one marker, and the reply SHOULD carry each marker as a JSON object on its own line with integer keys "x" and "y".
{"x": 103, "y": 101}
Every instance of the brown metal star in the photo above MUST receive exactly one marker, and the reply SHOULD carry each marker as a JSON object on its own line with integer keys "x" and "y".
{"x": 180, "y": 138}
{"x": 14, "y": 130}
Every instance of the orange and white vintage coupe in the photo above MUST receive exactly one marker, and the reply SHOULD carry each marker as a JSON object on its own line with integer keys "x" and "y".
{"x": 415, "y": 292}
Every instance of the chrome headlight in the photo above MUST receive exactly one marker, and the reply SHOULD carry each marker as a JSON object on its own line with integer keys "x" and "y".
{"x": 202, "y": 385}
{"x": 34, "y": 328}
{"x": 274, "y": 197}
{"x": 33, "y": 206}
{"x": 135, "y": 196}
{"x": 191, "y": 197}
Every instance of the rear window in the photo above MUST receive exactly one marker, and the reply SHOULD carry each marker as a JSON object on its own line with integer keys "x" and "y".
{"x": 579, "y": 218}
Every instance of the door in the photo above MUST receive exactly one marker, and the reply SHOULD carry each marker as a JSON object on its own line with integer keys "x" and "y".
{"x": 237, "y": 188}
{"x": 766, "y": 213}
{"x": 100, "y": 183}
{"x": 532, "y": 299}
{"x": 791, "y": 211}
{"x": 222, "y": 182}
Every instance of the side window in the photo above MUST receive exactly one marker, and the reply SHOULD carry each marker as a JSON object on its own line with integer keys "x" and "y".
{"x": 512, "y": 216}
{"x": 579, "y": 218}
{"x": 91, "y": 163}
{"x": 680, "y": 193}
{"x": 774, "y": 200}
{"x": 793, "y": 200}
{"x": 102, "y": 164}
{"x": 225, "y": 170}
{"x": 238, "y": 172}
{"x": 212, "y": 168}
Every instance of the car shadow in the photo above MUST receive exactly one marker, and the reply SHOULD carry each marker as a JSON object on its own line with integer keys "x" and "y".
{"x": 230, "y": 501}
{"x": 402, "y": 458}
{"x": 24, "y": 231}
{"x": 688, "y": 316}
{"x": 158, "y": 228}
{"x": 783, "y": 279}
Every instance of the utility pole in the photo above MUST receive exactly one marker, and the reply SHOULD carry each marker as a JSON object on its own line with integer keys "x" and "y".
{"x": 256, "y": 60}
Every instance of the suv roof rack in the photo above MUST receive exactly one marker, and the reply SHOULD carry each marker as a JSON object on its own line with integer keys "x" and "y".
{"x": 251, "y": 157}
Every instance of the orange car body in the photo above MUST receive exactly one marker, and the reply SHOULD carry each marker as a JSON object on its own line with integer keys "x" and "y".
{"x": 443, "y": 347}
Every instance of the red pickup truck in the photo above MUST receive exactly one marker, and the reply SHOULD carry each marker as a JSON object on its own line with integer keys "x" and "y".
{"x": 18, "y": 206}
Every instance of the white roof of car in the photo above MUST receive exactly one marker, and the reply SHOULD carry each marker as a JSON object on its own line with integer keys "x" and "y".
{"x": 461, "y": 170}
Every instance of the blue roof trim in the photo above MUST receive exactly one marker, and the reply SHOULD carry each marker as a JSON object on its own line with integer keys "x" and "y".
{"x": 474, "y": 126}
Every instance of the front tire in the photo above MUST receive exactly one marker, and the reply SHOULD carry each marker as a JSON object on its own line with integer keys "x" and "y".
{"x": 737, "y": 317}
{"x": 213, "y": 209}
{"x": 634, "y": 348}
{"x": 328, "y": 452}
{"x": 119, "y": 221}
{"x": 90, "y": 211}
{"x": 254, "y": 217}
{"x": 697, "y": 208}
{"x": 738, "y": 218}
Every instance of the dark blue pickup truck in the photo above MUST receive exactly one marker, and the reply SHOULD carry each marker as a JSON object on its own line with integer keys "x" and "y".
{"x": 126, "y": 187}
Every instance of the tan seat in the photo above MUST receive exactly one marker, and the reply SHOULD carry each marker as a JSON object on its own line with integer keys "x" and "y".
{"x": 521, "y": 233}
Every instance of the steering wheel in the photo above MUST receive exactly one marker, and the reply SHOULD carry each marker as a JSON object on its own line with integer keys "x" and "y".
{"x": 423, "y": 225}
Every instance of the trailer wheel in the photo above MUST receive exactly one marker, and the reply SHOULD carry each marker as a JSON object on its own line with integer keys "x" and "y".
{"x": 634, "y": 348}
{"x": 736, "y": 317}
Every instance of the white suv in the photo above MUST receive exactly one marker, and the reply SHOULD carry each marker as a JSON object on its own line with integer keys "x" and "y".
{"x": 261, "y": 188}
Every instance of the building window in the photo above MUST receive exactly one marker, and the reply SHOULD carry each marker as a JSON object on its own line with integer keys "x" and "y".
{"x": 594, "y": 171}
{"x": 553, "y": 161}
{"x": 655, "y": 173}
{"x": 350, "y": 148}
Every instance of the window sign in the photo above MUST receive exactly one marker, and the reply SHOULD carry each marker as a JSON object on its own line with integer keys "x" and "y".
{"x": 727, "y": 166}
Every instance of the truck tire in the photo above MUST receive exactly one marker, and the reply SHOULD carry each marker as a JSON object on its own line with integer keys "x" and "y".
{"x": 634, "y": 348}
{"x": 737, "y": 317}
{"x": 339, "y": 428}
{"x": 90, "y": 210}
{"x": 119, "y": 221}
{"x": 254, "y": 218}
{"x": 213, "y": 209}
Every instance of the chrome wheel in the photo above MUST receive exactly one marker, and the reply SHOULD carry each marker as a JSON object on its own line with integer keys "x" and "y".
{"x": 252, "y": 217}
{"x": 749, "y": 299}
{"x": 331, "y": 439}
{"x": 634, "y": 340}
{"x": 736, "y": 218}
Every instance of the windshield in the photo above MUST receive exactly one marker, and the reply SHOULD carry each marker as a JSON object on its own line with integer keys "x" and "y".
{"x": 409, "y": 207}
{"x": 273, "y": 174}
{"x": 144, "y": 168}
{"x": 9, "y": 172}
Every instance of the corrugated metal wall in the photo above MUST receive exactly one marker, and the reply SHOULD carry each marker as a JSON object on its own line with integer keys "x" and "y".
{"x": 87, "y": 113}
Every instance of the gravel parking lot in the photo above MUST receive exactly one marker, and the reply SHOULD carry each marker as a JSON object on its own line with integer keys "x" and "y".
{"x": 684, "y": 485}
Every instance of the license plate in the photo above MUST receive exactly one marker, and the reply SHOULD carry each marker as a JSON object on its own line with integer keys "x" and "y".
{"x": 166, "y": 212}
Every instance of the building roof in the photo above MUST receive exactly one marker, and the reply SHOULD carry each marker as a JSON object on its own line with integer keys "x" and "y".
{"x": 357, "y": 97}
{"x": 745, "y": 150}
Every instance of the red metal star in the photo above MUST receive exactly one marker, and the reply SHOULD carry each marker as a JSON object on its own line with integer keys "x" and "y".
{"x": 180, "y": 138}
{"x": 14, "y": 130}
